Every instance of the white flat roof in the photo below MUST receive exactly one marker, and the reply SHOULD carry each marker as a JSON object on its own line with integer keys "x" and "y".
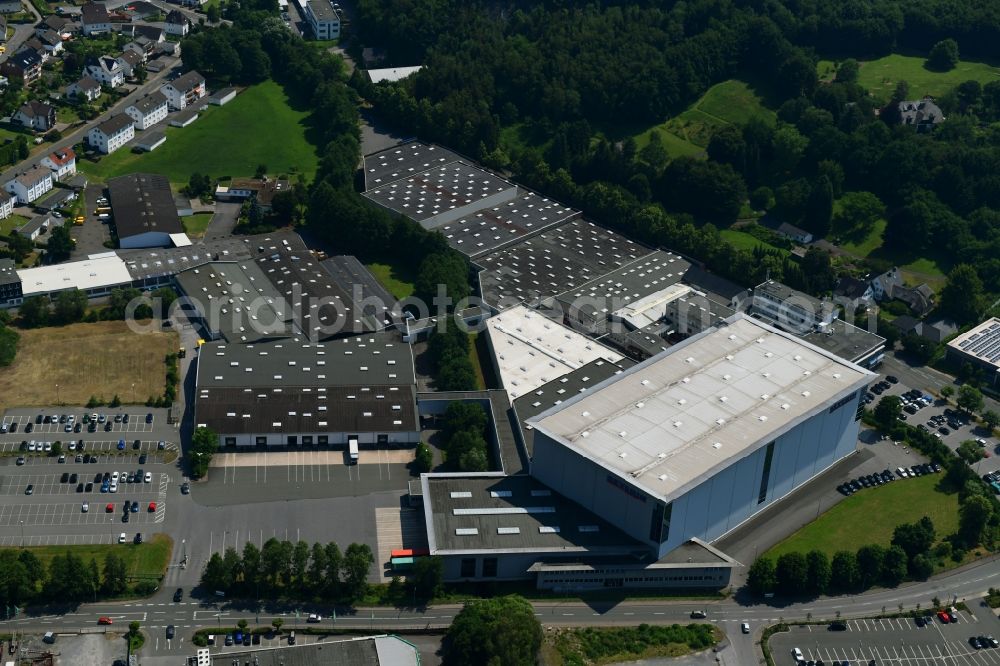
{"x": 391, "y": 73}
{"x": 674, "y": 420}
{"x": 982, "y": 342}
{"x": 180, "y": 240}
{"x": 98, "y": 270}
{"x": 531, "y": 349}
{"x": 651, "y": 309}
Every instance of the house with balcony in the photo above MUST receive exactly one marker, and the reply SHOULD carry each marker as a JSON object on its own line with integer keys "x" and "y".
{"x": 177, "y": 24}
{"x": 24, "y": 66}
{"x": 184, "y": 90}
{"x": 107, "y": 71}
{"x": 148, "y": 111}
{"x": 112, "y": 134}
{"x": 94, "y": 19}
{"x": 37, "y": 116}
{"x": 84, "y": 90}
{"x": 31, "y": 184}
{"x": 62, "y": 163}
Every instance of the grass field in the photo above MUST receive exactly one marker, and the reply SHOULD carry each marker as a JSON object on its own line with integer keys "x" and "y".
{"x": 745, "y": 241}
{"x": 226, "y": 141}
{"x": 865, "y": 245}
{"x": 195, "y": 225}
{"x": 870, "y": 516}
{"x": 83, "y": 360}
{"x": 393, "y": 279}
{"x": 729, "y": 102}
{"x": 8, "y": 225}
{"x": 881, "y": 76}
{"x": 148, "y": 559}
{"x": 476, "y": 365}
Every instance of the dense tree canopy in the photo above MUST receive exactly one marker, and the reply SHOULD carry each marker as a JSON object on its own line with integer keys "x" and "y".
{"x": 494, "y": 632}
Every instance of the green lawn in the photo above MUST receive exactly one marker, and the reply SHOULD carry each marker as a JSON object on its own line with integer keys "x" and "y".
{"x": 862, "y": 246}
{"x": 148, "y": 559}
{"x": 745, "y": 241}
{"x": 881, "y": 76}
{"x": 258, "y": 127}
{"x": 393, "y": 279}
{"x": 870, "y": 516}
{"x": 729, "y": 102}
{"x": 195, "y": 225}
{"x": 67, "y": 114}
{"x": 8, "y": 225}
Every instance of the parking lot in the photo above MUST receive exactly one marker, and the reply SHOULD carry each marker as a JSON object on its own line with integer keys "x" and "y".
{"x": 893, "y": 641}
{"x": 138, "y": 422}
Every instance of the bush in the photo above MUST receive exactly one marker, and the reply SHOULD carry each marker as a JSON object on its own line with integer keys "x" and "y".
{"x": 424, "y": 460}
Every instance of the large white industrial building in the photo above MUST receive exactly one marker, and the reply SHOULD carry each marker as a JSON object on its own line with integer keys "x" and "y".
{"x": 695, "y": 441}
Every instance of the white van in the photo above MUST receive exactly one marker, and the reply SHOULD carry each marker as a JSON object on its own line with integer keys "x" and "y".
{"x": 352, "y": 450}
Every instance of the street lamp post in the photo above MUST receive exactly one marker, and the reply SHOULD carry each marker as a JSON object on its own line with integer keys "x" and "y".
{"x": 22, "y": 534}
{"x": 133, "y": 393}
{"x": 57, "y": 393}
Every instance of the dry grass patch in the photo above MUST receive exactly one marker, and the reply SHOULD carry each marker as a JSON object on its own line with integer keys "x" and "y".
{"x": 84, "y": 360}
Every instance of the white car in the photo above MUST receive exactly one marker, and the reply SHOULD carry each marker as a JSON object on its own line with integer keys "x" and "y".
{"x": 149, "y": 477}
{"x": 72, "y": 446}
{"x": 122, "y": 538}
{"x": 981, "y": 442}
{"x": 903, "y": 472}
{"x": 31, "y": 445}
{"x": 796, "y": 653}
{"x": 745, "y": 627}
{"x": 313, "y": 617}
{"x": 48, "y": 446}
{"x": 113, "y": 487}
{"x": 85, "y": 507}
{"x": 114, "y": 477}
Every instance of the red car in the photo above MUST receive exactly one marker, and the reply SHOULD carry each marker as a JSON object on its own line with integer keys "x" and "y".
{"x": 944, "y": 617}
{"x": 109, "y": 508}
{"x": 152, "y": 506}
{"x": 104, "y": 620}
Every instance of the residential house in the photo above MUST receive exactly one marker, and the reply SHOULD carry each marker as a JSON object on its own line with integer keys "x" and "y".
{"x": 51, "y": 41}
{"x": 35, "y": 115}
{"x": 94, "y": 19}
{"x": 10, "y": 6}
{"x": 31, "y": 184}
{"x": 39, "y": 225}
{"x": 6, "y": 205}
{"x": 24, "y": 66}
{"x": 789, "y": 231}
{"x": 184, "y": 90}
{"x": 260, "y": 190}
{"x": 923, "y": 114}
{"x": 177, "y": 24}
{"x": 939, "y": 330}
{"x": 129, "y": 62}
{"x": 151, "y": 32}
{"x": 35, "y": 44}
{"x": 62, "y": 163}
{"x": 84, "y": 90}
{"x": 854, "y": 292}
{"x": 107, "y": 71}
{"x": 889, "y": 285}
{"x": 112, "y": 134}
{"x": 907, "y": 325}
{"x": 148, "y": 111}
{"x": 142, "y": 46}
{"x": 60, "y": 25}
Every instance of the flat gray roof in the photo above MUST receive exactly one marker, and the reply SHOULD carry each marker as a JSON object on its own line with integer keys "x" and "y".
{"x": 673, "y": 421}
{"x": 8, "y": 272}
{"x": 148, "y": 263}
{"x": 237, "y": 300}
{"x": 294, "y": 409}
{"x": 645, "y": 276}
{"x": 366, "y": 360}
{"x": 363, "y": 651}
{"x": 404, "y": 161}
{"x": 496, "y": 227}
{"x": 438, "y": 189}
{"x": 782, "y": 292}
{"x": 497, "y": 513}
{"x": 142, "y": 203}
{"x": 558, "y": 260}
{"x": 354, "y": 278}
{"x": 846, "y": 341}
{"x": 323, "y": 10}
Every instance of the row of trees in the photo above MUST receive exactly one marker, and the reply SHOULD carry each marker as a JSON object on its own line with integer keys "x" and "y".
{"x": 8, "y": 340}
{"x": 292, "y": 570}
{"x": 448, "y": 352}
{"x": 68, "y": 578}
{"x": 813, "y": 573}
{"x": 70, "y": 306}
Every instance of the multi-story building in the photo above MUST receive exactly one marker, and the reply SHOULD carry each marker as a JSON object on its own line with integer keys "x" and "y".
{"x": 84, "y": 90}
{"x": 36, "y": 115}
{"x": 94, "y": 19}
{"x": 106, "y": 71}
{"x": 62, "y": 163}
{"x": 148, "y": 111}
{"x": 24, "y": 66}
{"x": 112, "y": 134}
{"x": 31, "y": 184}
{"x": 184, "y": 90}
{"x": 323, "y": 19}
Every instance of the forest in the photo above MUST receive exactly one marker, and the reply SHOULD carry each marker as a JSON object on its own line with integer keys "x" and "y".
{"x": 581, "y": 77}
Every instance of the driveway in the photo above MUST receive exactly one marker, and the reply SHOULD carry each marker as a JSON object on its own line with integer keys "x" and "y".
{"x": 223, "y": 221}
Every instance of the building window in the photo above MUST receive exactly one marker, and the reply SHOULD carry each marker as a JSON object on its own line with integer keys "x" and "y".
{"x": 293, "y": 440}
{"x": 468, "y": 567}
{"x": 323, "y": 439}
{"x": 489, "y": 567}
{"x": 765, "y": 476}
{"x": 262, "y": 441}
{"x": 307, "y": 439}
{"x": 230, "y": 441}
